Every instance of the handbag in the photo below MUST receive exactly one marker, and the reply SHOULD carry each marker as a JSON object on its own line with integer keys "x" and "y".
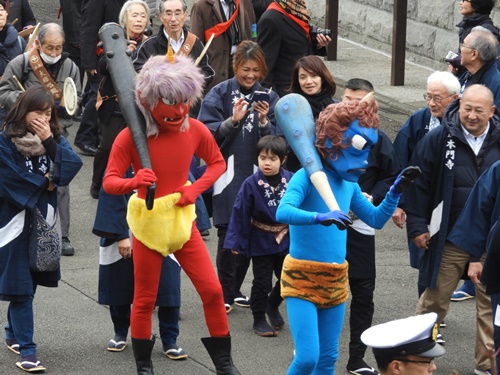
{"x": 45, "y": 243}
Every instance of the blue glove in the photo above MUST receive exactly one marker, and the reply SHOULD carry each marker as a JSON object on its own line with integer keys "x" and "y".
{"x": 404, "y": 180}
{"x": 339, "y": 218}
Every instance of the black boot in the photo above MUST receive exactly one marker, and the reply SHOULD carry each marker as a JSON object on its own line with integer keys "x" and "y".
{"x": 273, "y": 311}
{"x": 142, "y": 353}
{"x": 219, "y": 349}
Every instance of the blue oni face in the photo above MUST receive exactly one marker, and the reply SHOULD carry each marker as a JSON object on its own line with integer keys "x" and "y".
{"x": 353, "y": 160}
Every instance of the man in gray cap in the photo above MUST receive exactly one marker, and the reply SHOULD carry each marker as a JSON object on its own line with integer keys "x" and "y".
{"x": 405, "y": 346}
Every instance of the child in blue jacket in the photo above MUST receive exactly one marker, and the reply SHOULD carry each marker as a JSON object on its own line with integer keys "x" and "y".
{"x": 253, "y": 231}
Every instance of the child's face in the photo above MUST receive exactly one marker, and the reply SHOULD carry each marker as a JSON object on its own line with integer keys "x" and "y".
{"x": 269, "y": 163}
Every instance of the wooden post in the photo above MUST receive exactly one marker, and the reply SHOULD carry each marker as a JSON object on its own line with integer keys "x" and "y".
{"x": 332, "y": 23}
{"x": 399, "y": 43}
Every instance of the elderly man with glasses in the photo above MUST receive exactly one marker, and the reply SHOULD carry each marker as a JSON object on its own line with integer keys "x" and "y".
{"x": 479, "y": 56}
{"x": 451, "y": 158}
{"x": 442, "y": 89}
{"x": 173, "y": 15}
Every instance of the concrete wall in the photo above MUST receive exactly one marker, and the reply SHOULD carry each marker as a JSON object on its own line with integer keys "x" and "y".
{"x": 431, "y": 30}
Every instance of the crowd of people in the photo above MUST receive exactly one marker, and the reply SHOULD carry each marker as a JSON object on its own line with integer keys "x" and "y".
{"x": 224, "y": 101}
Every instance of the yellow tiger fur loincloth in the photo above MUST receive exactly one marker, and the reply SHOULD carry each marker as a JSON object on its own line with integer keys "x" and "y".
{"x": 165, "y": 228}
{"x": 324, "y": 284}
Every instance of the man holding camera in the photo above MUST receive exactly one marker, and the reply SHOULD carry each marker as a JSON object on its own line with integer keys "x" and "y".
{"x": 285, "y": 23}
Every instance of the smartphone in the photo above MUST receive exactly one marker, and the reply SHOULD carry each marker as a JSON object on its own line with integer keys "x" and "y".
{"x": 262, "y": 96}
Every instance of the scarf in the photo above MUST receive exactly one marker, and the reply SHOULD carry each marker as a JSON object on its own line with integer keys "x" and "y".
{"x": 319, "y": 102}
{"x": 288, "y": 13}
{"x": 29, "y": 145}
{"x": 296, "y": 8}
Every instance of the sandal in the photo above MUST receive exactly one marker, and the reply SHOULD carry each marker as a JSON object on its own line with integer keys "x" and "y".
{"x": 30, "y": 364}
{"x": 174, "y": 352}
{"x": 116, "y": 346}
{"x": 13, "y": 346}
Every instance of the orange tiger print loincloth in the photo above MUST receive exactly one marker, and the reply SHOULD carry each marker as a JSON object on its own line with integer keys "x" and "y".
{"x": 324, "y": 284}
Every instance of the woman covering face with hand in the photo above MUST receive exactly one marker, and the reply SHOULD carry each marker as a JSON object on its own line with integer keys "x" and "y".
{"x": 35, "y": 159}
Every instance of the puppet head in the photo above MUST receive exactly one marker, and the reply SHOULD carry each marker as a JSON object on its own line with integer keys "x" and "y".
{"x": 164, "y": 92}
{"x": 345, "y": 133}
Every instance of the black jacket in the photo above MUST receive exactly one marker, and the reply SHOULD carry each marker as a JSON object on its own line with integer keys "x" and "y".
{"x": 259, "y": 7}
{"x": 21, "y": 9}
{"x": 449, "y": 170}
{"x": 383, "y": 168}
{"x": 283, "y": 42}
{"x": 157, "y": 45}
{"x": 95, "y": 13}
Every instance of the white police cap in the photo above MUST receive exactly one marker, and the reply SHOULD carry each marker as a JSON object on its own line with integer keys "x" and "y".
{"x": 415, "y": 335}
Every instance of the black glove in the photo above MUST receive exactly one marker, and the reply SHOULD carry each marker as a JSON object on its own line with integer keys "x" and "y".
{"x": 404, "y": 179}
{"x": 61, "y": 111}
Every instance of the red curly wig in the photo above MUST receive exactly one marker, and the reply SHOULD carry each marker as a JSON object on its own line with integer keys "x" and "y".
{"x": 335, "y": 119}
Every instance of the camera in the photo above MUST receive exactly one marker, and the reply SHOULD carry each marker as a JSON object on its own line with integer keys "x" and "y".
{"x": 315, "y": 30}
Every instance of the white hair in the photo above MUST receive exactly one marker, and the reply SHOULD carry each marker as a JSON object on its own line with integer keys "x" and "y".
{"x": 448, "y": 80}
{"x": 122, "y": 18}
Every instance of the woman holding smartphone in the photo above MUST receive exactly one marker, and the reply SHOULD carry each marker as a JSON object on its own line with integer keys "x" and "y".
{"x": 237, "y": 126}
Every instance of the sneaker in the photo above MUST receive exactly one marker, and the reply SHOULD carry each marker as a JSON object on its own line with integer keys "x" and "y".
{"x": 440, "y": 339}
{"x": 241, "y": 300}
{"x": 465, "y": 292}
{"x": 482, "y": 372}
{"x": 67, "y": 248}
{"x": 30, "y": 364}
{"x": 174, "y": 352}
{"x": 263, "y": 329}
{"x": 275, "y": 318}
{"x": 359, "y": 367}
{"x": 13, "y": 346}
{"x": 116, "y": 345}
{"x": 229, "y": 308}
{"x": 442, "y": 324}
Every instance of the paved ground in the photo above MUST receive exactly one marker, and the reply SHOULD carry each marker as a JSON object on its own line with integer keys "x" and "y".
{"x": 72, "y": 330}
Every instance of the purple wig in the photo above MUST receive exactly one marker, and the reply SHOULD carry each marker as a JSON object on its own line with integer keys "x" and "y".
{"x": 178, "y": 82}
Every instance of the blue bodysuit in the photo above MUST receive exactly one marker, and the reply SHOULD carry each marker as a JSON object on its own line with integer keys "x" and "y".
{"x": 316, "y": 337}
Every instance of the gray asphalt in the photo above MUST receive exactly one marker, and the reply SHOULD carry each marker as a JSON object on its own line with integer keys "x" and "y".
{"x": 72, "y": 329}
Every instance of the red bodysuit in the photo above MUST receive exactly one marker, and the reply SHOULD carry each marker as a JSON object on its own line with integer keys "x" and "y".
{"x": 171, "y": 152}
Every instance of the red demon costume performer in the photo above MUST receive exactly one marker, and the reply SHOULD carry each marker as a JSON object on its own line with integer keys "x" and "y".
{"x": 164, "y": 93}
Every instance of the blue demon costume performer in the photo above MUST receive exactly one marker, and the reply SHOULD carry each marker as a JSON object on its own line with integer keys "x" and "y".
{"x": 314, "y": 279}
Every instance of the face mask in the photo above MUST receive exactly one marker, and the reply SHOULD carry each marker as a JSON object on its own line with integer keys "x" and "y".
{"x": 170, "y": 116}
{"x": 49, "y": 59}
{"x": 353, "y": 160}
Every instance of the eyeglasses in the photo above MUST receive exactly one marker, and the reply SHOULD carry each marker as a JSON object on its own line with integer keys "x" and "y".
{"x": 172, "y": 14}
{"x": 466, "y": 46}
{"x": 428, "y": 363}
{"x": 437, "y": 99}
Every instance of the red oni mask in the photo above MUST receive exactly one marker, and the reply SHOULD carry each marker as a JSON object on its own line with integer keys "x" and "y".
{"x": 170, "y": 116}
